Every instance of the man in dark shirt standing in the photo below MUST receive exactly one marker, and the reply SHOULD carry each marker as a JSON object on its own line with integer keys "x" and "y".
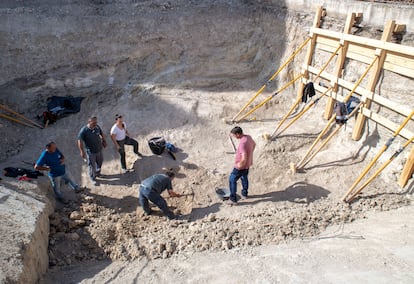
{"x": 151, "y": 189}
{"x": 92, "y": 136}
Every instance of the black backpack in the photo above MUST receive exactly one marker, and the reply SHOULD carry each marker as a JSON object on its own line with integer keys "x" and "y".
{"x": 157, "y": 145}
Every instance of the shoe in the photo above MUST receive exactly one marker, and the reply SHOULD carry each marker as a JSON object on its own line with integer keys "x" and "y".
{"x": 139, "y": 154}
{"x": 230, "y": 202}
{"x": 148, "y": 213}
{"x": 244, "y": 197}
{"x": 98, "y": 174}
{"x": 94, "y": 182}
{"x": 124, "y": 171}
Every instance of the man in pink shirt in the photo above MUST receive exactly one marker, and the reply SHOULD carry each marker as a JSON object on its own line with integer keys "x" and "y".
{"x": 243, "y": 161}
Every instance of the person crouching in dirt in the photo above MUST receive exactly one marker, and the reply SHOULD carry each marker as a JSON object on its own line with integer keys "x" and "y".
{"x": 243, "y": 161}
{"x": 151, "y": 189}
{"x": 52, "y": 160}
{"x": 120, "y": 137}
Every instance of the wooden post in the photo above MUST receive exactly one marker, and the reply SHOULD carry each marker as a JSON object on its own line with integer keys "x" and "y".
{"x": 309, "y": 55}
{"x": 373, "y": 80}
{"x": 340, "y": 64}
{"x": 408, "y": 169}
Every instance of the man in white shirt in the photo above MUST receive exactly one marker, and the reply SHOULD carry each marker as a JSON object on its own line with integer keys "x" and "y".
{"x": 120, "y": 137}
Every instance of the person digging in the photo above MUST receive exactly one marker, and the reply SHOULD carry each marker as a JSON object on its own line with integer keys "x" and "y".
{"x": 151, "y": 189}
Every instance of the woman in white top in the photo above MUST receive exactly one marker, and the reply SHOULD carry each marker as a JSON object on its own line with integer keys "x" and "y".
{"x": 120, "y": 137}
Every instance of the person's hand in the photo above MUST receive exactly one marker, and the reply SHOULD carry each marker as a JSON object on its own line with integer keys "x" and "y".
{"x": 62, "y": 161}
{"x": 82, "y": 154}
{"x": 174, "y": 194}
{"x": 104, "y": 143}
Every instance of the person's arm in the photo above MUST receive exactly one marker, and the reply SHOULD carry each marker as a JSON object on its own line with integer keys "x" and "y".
{"x": 80, "y": 146}
{"x": 173, "y": 194}
{"x": 114, "y": 140}
{"x": 40, "y": 164}
{"x": 41, "y": 168}
{"x": 104, "y": 144}
{"x": 242, "y": 163}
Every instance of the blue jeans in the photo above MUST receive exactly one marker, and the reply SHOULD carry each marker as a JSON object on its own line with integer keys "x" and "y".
{"x": 122, "y": 143}
{"x": 146, "y": 194}
{"x": 95, "y": 161}
{"x": 234, "y": 177}
{"x": 56, "y": 181}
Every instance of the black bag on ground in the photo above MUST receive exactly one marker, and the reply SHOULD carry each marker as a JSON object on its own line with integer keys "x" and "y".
{"x": 157, "y": 145}
{"x": 15, "y": 172}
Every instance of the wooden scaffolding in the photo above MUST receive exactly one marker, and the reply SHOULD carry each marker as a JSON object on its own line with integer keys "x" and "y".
{"x": 379, "y": 55}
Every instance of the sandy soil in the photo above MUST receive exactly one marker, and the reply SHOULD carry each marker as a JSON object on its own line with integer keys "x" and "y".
{"x": 378, "y": 249}
{"x": 186, "y": 91}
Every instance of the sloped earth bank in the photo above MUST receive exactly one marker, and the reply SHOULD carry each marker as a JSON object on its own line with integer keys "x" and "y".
{"x": 183, "y": 81}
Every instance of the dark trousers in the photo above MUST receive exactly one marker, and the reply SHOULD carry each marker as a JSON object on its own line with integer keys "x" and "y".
{"x": 95, "y": 161}
{"x": 234, "y": 177}
{"x": 122, "y": 143}
{"x": 146, "y": 194}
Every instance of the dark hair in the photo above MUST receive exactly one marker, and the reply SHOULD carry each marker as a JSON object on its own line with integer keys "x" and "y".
{"x": 118, "y": 116}
{"x": 236, "y": 130}
{"x": 92, "y": 118}
{"x": 49, "y": 144}
{"x": 170, "y": 174}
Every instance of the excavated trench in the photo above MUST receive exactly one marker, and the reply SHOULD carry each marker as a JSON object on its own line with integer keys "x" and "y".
{"x": 178, "y": 70}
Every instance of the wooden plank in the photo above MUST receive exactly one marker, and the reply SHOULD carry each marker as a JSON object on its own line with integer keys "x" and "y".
{"x": 407, "y": 134}
{"x": 350, "y": 20}
{"x": 361, "y": 91}
{"x": 310, "y": 51}
{"x": 388, "y": 46}
{"x": 402, "y": 64}
{"x": 408, "y": 169}
{"x": 373, "y": 80}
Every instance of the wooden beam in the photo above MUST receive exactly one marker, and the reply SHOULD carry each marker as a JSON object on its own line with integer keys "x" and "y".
{"x": 340, "y": 64}
{"x": 311, "y": 49}
{"x": 373, "y": 80}
{"x": 408, "y": 169}
{"x": 375, "y": 43}
{"x": 405, "y": 133}
{"x": 381, "y": 100}
{"x": 402, "y": 64}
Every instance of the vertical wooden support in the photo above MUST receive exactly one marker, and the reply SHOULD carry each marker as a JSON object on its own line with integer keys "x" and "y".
{"x": 373, "y": 80}
{"x": 309, "y": 54}
{"x": 408, "y": 169}
{"x": 339, "y": 64}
